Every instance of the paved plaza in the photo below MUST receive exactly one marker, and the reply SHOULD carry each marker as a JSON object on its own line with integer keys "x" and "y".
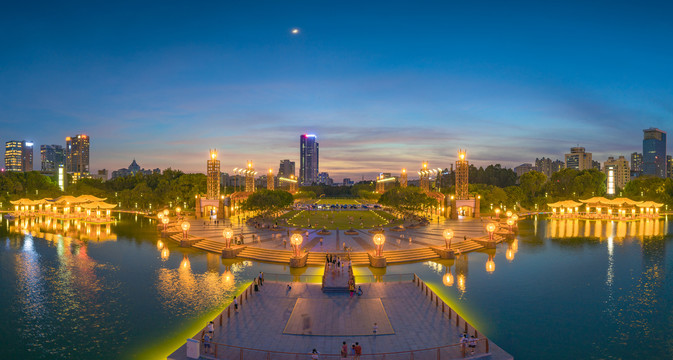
{"x": 424, "y": 236}
{"x": 415, "y": 323}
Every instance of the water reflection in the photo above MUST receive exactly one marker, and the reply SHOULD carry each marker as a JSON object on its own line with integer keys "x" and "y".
{"x": 50, "y": 228}
{"x": 572, "y": 228}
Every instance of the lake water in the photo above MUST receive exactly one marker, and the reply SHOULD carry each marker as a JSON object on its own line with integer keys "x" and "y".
{"x": 564, "y": 289}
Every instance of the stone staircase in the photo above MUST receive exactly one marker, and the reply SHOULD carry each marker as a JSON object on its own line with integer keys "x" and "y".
{"x": 399, "y": 256}
{"x": 466, "y": 246}
{"x": 210, "y": 245}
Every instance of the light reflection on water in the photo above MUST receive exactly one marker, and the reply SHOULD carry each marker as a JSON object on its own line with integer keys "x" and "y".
{"x": 74, "y": 298}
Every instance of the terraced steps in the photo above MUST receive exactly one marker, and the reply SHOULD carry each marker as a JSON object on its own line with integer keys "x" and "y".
{"x": 210, "y": 245}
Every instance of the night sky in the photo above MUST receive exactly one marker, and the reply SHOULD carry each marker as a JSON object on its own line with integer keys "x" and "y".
{"x": 384, "y": 85}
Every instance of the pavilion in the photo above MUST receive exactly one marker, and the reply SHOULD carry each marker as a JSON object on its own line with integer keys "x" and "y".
{"x": 599, "y": 207}
{"x": 85, "y": 207}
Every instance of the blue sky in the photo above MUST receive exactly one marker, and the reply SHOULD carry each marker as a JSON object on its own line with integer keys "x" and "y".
{"x": 384, "y": 85}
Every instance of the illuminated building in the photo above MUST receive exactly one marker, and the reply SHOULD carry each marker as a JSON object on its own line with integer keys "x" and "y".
{"x": 270, "y": 180}
{"x": 250, "y": 178}
{"x": 523, "y": 168}
{"x": 77, "y": 156}
{"x": 212, "y": 204}
{"x": 323, "y": 178}
{"x": 286, "y": 168}
{"x": 578, "y": 159}
{"x": 636, "y": 162}
{"x": 617, "y": 173}
{"x": 403, "y": 178}
{"x": 60, "y": 176}
{"x": 654, "y": 152}
{"x": 424, "y": 177}
{"x": 308, "y": 159}
{"x": 51, "y": 156}
{"x": 19, "y": 156}
{"x": 213, "y": 176}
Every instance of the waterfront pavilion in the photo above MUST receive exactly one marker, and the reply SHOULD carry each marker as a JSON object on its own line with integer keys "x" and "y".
{"x": 599, "y": 207}
{"x": 564, "y": 208}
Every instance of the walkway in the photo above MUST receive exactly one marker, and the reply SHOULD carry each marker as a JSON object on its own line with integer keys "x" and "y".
{"x": 304, "y": 318}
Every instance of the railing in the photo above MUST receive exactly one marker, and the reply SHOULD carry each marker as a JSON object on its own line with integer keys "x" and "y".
{"x": 453, "y": 351}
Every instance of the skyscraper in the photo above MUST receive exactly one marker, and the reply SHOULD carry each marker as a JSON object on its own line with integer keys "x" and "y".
{"x": 51, "y": 156}
{"x": 308, "y": 155}
{"x": 19, "y": 155}
{"x": 77, "y": 156}
{"x": 286, "y": 168}
{"x": 654, "y": 152}
{"x": 617, "y": 173}
{"x": 636, "y": 162}
{"x": 578, "y": 159}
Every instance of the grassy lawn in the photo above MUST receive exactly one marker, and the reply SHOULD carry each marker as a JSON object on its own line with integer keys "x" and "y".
{"x": 338, "y": 201}
{"x": 343, "y": 219}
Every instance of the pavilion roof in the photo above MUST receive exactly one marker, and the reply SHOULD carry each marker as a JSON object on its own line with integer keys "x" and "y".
{"x": 67, "y": 199}
{"x": 90, "y": 198}
{"x": 622, "y": 201}
{"x": 23, "y": 202}
{"x": 98, "y": 205}
{"x": 649, "y": 204}
{"x": 565, "y": 204}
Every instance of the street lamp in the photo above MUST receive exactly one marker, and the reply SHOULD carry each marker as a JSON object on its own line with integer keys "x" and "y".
{"x": 185, "y": 228}
{"x": 510, "y": 223}
{"x": 379, "y": 240}
{"x": 166, "y": 212}
{"x": 228, "y": 233}
{"x": 490, "y": 228}
{"x": 497, "y": 213}
{"x": 509, "y": 214}
{"x": 448, "y": 235}
{"x": 296, "y": 240}
{"x": 165, "y": 222}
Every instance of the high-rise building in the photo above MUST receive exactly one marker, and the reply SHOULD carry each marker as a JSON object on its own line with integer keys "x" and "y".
{"x": 212, "y": 176}
{"x": 596, "y": 165}
{"x": 636, "y": 162}
{"x": 557, "y": 165}
{"x": 308, "y": 164}
{"x": 523, "y": 168}
{"x": 51, "y": 156}
{"x": 19, "y": 156}
{"x": 654, "y": 152}
{"x": 548, "y": 167}
{"x": 578, "y": 159}
{"x": 77, "y": 156}
{"x": 286, "y": 168}
{"x": 323, "y": 178}
{"x": 617, "y": 173}
{"x": 669, "y": 162}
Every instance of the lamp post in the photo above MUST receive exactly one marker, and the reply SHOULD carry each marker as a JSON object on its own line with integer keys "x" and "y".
{"x": 228, "y": 233}
{"x": 185, "y": 228}
{"x": 448, "y": 235}
{"x": 379, "y": 240}
{"x": 177, "y": 211}
{"x": 490, "y": 227}
{"x": 497, "y": 213}
{"x": 166, "y": 212}
{"x": 165, "y": 222}
{"x": 509, "y": 214}
{"x": 510, "y": 222}
{"x": 295, "y": 240}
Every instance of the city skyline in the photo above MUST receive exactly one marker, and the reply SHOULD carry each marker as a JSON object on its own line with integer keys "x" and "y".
{"x": 383, "y": 88}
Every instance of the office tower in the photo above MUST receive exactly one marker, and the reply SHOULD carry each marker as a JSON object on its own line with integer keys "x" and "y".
{"x": 77, "y": 156}
{"x": 636, "y": 162}
{"x": 19, "y": 156}
{"x": 578, "y": 159}
{"x": 617, "y": 173}
{"x": 308, "y": 164}
{"x": 286, "y": 169}
{"x": 51, "y": 156}
{"x": 323, "y": 178}
{"x": 654, "y": 152}
{"x": 669, "y": 162}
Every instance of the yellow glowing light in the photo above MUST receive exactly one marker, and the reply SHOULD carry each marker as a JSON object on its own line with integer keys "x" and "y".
{"x": 165, "y": 253}
{"x": 296, "y": 239}
{"x": 404, "y": 171}
{"x": 509, "y": 254}
{"x": 228, "y": 233}
{"x": 490, "y": 265}
{"x": 177, "y": 209}
{"x": 448, "y": 279}
{"x": 490, "y": 227}
{"x": 270, "y": 171}
{"x": 509, "y": 214}
{"x": 379, "y": 239}
{"x": 295, "y": 31}
{"x": 448, "y": 234}
{"x": 510, "y": 222}
{"x": 515, "y": 217}
{"x": 165, "y": 220}
{"x": 166, "y": 212}
{"x": 185, "y": 225}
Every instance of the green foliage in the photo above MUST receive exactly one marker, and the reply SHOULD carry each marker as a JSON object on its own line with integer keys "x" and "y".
{"x": 408, "y": 199}
{"x": 268, "y": 200}
{"x": 532, "y": 183}
{"x": 570, "y": 183}
{"x": 304, "y": 194}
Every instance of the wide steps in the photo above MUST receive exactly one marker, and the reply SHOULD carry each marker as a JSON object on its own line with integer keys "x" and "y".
{"x": 210, "y": 245}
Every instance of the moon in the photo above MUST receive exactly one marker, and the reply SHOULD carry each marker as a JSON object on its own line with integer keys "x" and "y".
{"x": 295, "y": 31}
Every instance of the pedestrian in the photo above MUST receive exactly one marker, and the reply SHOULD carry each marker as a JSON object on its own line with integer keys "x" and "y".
{"x": 376, "y": 328}
{"x": 210, "y": 328}
{"x": 359, "y": 291}
{"x": 344, "y": 350}
{"x": 473, "y": 344}
{"x": 260, "y": 278}
{"x": 358, "y": 350}
{"x": 206, "y": 343}
{"x": 254, "y": 282}
{"x": 463, "y": 343}
{"x": 351, "y": 288}
{"x": 352, "y": 351}
{"x": 235, "y": 303}
{"x": 315, "y": 354}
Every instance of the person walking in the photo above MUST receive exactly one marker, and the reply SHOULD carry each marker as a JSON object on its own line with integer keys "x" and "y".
{"x": 206, "y": 343}
{"x": 235, "y": 303}
{"x": 473, "y": 344}
{"x": 315, "y": 355}
{"x": 344, "y": 351}
{"x": 375, "y": 329}
{"x": 358, "y": 350}
{"x": 210, "y": 328}
{"x": 351, "y": 287}
{"x": 254, "y": 281}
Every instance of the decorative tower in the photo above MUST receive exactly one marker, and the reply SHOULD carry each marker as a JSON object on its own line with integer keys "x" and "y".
{"x": 403, "y": 178}
{"x": 250, "y": 178}
{"x": 293, "y": 184}
{"x": 213, "y": 179}
{"x": 462, "y": 171}
{"x": 379, "y": 184}
{"x": 269, "y": 180}
{"x": 425, "y": 177}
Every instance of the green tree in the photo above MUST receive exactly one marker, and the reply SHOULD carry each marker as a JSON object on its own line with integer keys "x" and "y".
{"x": 532, "y": 183}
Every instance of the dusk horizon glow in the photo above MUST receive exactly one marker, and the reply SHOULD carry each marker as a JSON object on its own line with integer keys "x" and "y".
{"x": 383, "y": 87}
